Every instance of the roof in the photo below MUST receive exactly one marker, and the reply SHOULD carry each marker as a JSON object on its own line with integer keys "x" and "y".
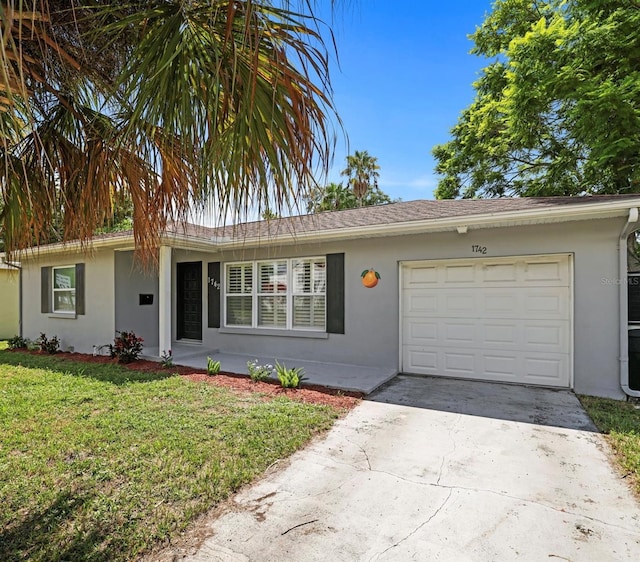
{"x": 403, "y": 212}
{"x": 407, "y": 217}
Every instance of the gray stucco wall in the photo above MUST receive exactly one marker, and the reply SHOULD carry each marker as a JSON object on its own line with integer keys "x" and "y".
{"x": 130, "y": 315}
{"x": 372, "y": 315}
{"x": 96, "y": 327}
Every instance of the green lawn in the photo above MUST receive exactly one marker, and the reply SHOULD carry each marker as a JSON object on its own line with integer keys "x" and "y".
{"x": 620, "y": 421}
{"x": 100, "y": 463}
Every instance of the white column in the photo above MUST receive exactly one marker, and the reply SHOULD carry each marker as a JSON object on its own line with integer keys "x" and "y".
{"x": 164, "y": 299}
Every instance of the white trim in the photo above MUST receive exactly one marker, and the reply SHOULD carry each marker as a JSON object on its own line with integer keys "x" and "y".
{"x": 623, "y": 297}
{"x": 164, "y": 300}
{"x": 572, "y": 324}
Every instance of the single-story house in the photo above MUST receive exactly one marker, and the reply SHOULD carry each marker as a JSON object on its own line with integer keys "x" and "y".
{"x": 520, "y": 290}
{"x": 9, "y": 300}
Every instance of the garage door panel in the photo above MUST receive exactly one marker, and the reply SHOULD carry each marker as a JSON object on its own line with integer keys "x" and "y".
{"x": 551, "y": 336}
{"x": 460, "y": 274}
{"x": 420, "y": 361}
{"x": 503, "y": 273}
{"x": 554, "y": 271}
{"x": 506, "y": 319}
{"x": 420, "y": 276}
{"x": 456, "y": 334}
{"x": 421, "y": 333}
{"x": 419, "y": 304}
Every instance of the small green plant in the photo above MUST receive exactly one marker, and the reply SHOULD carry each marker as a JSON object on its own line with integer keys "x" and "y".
{"x": 166, "y": 359}
{"x": 51, "y": 346}
{"x": 257, "y": 372}
{"x": 213, "y": 367}
{"x": 289, "y": 378}
{"x": 18, "y": 342}
{"x": 126, "y": 347}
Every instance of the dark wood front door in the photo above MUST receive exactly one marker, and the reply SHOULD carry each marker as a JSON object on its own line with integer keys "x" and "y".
{"x": 189, "y": 301}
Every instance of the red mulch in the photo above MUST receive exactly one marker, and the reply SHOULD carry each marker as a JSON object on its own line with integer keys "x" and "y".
{"x": 310, "y": 393}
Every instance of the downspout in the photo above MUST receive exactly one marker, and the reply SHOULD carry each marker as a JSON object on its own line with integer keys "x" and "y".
{"x": 629, "y": 227}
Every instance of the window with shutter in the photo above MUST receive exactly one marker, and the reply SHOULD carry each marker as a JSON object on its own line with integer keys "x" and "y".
{"x": 239, "y": 294}
{"x": 288, "y": 294}
{"x": 309, "y": 288}
{"x": 272, "y": 294}
{"x": 64, "y": 289}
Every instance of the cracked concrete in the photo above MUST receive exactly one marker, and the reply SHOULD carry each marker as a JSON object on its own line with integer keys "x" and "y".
{"x": 433, "y": 469}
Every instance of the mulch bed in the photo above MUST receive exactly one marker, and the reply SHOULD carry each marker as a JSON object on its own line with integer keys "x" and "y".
{"x": 309, "y": 393}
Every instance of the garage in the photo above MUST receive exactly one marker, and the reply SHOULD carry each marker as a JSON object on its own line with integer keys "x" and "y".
{"x": 499, "y": 319}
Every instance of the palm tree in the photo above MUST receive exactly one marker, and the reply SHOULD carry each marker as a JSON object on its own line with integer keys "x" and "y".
{"x": 362, "y": 171}
{"x": 166, "y": 103}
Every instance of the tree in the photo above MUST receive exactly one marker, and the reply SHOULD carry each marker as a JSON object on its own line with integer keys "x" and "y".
{"x": 557, "y": 111}
{"x": 362, "y": 173}
{"x": 336, "y": 196}
{"x": 168, "y": 104}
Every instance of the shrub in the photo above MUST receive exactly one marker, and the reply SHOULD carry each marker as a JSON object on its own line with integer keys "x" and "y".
{"x": 18, "y": 342}
{"x": 257, "y": 372}
{"x": 126, "y": 347}
{"x": 213, "y": 367}
{"x": 166, "y": 359}
{"x": 289, "y": 378}
{"x": 51, "y": 346}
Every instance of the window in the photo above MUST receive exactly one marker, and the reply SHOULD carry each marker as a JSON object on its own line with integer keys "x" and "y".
{"x": 64, "y": 288}
{"x": 280, "y": 294}
{"x": 239, "y": 294}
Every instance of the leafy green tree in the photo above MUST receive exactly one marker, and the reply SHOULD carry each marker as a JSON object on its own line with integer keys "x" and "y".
{"x": 362, "y": 173}
{"x": 557, "y": 110}
{"x": 167, "y": 104}
{"x": 335, "y": 197}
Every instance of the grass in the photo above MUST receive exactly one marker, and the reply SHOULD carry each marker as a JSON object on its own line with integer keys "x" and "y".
{"x": 100, "y": 463}
{"x": 620, "y": 421}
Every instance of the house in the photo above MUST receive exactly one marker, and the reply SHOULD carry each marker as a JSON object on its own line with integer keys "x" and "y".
{"x": 530, "y": 291}
{"x": 9, "y": 300}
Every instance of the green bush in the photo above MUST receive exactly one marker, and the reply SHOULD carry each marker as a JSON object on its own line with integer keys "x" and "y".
{"x": 51, "y": 346}
{"x": 257, "y": 372}
{"x": 289, "y": 378}
{"x": 18, "y": 342}
{"x": 213, "y": 367}
{"x": 126, "y": 347}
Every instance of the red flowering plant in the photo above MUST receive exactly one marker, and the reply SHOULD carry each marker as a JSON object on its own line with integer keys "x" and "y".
{"x": 126, "y": 347}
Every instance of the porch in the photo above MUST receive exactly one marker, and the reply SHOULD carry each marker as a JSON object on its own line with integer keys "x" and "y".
{"x": 333, "y": 375}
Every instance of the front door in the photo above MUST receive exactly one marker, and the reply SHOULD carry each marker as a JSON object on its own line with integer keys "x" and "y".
{"x": 189, "y": 301}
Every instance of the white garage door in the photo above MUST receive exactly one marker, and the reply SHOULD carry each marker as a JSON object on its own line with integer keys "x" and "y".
{"x": 504, "y": 319}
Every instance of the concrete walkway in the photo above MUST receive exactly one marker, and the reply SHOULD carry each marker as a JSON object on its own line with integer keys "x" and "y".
{"x": 332, "y": 375}
{"x": 437, "y": 469}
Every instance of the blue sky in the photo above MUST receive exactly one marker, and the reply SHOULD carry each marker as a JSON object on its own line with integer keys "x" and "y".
{"x": 405, "y": 75}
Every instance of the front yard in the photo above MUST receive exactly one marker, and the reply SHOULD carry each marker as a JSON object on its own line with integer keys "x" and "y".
{"x": 101, "y": 463}
{"x": 620, "y": 421}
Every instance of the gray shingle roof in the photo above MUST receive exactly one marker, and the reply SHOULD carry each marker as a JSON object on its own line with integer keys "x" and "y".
{"x": 393, "y": 213}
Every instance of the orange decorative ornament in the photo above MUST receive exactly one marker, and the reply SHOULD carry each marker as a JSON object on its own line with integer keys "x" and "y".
{"x": 370, "y": 278}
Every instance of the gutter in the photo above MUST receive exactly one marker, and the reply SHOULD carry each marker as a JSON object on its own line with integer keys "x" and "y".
{"x": 629, "y": 227}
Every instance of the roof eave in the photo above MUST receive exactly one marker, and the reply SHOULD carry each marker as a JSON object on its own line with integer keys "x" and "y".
{"x": 501, "y": 219}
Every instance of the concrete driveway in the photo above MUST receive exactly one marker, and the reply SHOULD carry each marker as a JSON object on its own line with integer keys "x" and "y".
{"x": 436, "y": 469}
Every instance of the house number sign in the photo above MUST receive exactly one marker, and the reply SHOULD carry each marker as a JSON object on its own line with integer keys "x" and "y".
{"x": 478, "y": 249}
{"x": 214, "y": 283}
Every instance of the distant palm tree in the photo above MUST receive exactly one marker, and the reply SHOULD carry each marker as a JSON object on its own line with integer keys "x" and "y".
{"x": 166, "y": 103}
{"x": 362, "y": 171}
